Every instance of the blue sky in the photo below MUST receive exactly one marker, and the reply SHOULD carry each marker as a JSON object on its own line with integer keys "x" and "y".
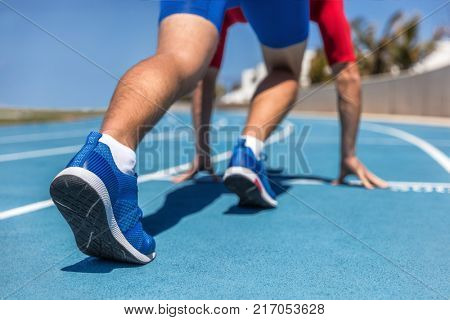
{"x": 38, "y": 71}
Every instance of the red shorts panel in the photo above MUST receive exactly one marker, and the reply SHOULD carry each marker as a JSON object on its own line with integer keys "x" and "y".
{"x": 232, "y": 16}
{"x": 335, "y": 30}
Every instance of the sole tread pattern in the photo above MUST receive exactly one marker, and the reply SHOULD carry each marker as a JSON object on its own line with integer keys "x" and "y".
{"x": 82, "y": 208}
{"x": 247, "y": 191}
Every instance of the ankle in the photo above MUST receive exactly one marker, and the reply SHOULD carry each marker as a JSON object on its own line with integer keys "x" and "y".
{"x": 123, "y": 138}
{"x": 254, "y": 144}
{"x": 124, "y": 157}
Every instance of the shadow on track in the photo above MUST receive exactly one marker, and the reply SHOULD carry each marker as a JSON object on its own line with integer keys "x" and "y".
{"x": 96, "y": 265}
{"x": 194, "y": 197}
{"x": 186, "y": 200}
{"x": 190, "y": 198}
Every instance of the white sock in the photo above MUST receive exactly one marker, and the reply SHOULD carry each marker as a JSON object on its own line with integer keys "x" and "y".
{"x": 124, "y": 157}
{"x": 254, "y": 144}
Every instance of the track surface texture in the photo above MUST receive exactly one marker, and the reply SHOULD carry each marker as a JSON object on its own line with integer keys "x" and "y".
{"x": 320, "y": 242}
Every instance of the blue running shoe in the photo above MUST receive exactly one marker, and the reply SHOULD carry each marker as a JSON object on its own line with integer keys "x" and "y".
{"x": 247, "y": 177}
{"x": 101, "y": 206}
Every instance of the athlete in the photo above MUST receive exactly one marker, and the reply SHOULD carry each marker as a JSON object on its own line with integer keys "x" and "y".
{"x": 336, "y": 36}
{"x": 97, "y": 191}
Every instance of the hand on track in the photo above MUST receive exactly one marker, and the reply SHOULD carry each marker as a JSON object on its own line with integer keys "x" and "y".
{"x": 352, "y": 165}
{"x": 200, "y": 163}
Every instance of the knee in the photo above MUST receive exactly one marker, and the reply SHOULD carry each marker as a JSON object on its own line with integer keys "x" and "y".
{"x": 292, "y": 86}
{"x": 349, "y": 77}
{"x": 186, "y": 64}
{"x": 289, "y": 79}
{"x": 282, "y": 83}
{"x": 185, "y": 68}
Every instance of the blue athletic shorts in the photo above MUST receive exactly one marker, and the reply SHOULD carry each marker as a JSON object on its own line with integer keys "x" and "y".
{"x": 277, "y": 23}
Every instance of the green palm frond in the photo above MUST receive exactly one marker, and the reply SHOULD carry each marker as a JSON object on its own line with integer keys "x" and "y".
{"x": 398, "y": 44}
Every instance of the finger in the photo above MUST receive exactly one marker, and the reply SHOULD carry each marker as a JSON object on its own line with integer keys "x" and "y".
{"x": 184, "y": 176}
{"x": 365, "y": 182}
{"x": 376, "y": 181}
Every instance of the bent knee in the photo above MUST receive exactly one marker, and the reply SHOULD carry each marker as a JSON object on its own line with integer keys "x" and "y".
{"x": 349, "y": 75}
{"x": 187, "y": 63}
{"x": 291, "y": 83}
{"x": 185, "y": 68}
{"x": 286, "y": 81}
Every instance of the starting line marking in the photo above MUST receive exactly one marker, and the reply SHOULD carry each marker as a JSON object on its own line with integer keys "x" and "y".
{"x": 396, "y": 186}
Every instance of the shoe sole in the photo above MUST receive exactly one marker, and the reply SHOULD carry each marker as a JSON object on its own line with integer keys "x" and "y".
{"x": 247, "y": 185}
{"x": 84, "y": 202}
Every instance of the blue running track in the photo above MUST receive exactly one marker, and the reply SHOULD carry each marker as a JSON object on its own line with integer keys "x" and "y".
{"x": 322, "y": 242}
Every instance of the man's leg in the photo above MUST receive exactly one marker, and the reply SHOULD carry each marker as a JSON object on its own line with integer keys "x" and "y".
{"x": 275, "y": 94}
{"x": 284, "y": 41}
{"x": 97, "y": 191}
{"x": 348, "y": 87}
{"x": 246, "y": 175}
{"x": 185, "y": 46}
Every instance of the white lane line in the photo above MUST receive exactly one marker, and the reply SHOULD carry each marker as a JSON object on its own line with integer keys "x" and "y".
{"x": 38, "y": 153}
{"x": 396, "y": 186}
{"x": 26, "y": 209}
{"x": 42, "y": 136}
{"x": 164, "y": 174}
{"x": 61, "y": 135}
{"x": 71, "y": 149}
{"x": 429, "y": 149}
{"x": 58, "y": 151}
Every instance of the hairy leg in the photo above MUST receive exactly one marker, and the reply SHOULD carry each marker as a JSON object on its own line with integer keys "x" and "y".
{"x": 186, "y": 44}
{"x": 276, "y": 93}
{"x": 348, "y": 86}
